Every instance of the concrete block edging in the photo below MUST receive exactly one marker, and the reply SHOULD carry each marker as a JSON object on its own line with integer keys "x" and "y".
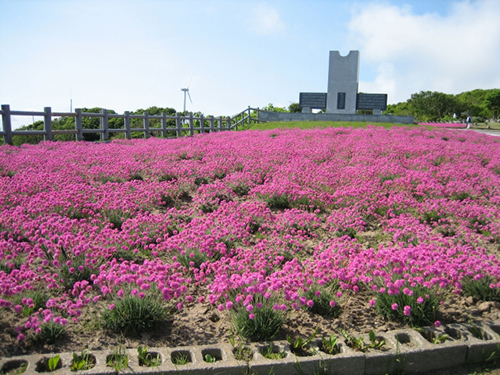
{"x": 405, "y": 349}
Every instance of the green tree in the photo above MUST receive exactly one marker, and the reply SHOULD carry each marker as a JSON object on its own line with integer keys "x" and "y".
{"x": 271, "y": 108}
{"x": 400, "y": 109}
{"x": 492, "y": 102}
{"x": 473, "y": 103}
{"x": 153, "y": 123}
{"x": 433, "y": 106}
{"x": 19, "y": 140}
{"x": 294, "y": 108}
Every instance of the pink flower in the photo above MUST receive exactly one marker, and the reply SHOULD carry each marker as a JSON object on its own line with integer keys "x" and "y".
{"x": 251, "y": 316}
{"x": 333, "y": 303}
{"x": 372, "y": 302}
{"x": 229, "y": 305}
{"x": 18, "y": 308}
{"x": 394, "y": 306}
{"x": 310, "y": 303}
{"x": 180, "y": 306}
{"x": 249, "y": 308}
{"x": 201, "y": 299}
{"x": 112, "y": 306}
{"x": 437, "y": 323}
{"x": 407, "y": 310}
{"x": 20, "y": 337}
{"x": 220, "y": 307}
{"x": 420, "y": 299}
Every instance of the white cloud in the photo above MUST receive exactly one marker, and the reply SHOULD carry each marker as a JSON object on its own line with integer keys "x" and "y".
{"x": 452, "y": 53}
{"x": 266, "y": 20}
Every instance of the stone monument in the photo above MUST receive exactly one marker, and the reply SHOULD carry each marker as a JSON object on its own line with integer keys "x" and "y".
{"x": 343, "y": 78}
{"x": 342, "y": 101}
{"x": 342, "y": 96}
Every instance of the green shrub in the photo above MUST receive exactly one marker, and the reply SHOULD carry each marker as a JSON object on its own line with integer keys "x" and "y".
{"x": 198, "y": 258}
{"x": 134, "y": 315}
{"x": 422, "y": 314}
{"x": 460, "y": 196}
{"x": 480, "y": 289}
{"x": 50, "y": 333}
{"x": 388, "y": 177}
{"x": 277, "y": 201}
{"x": 322, "y": 303}
{"x": 264, "y": 326}
{"x": 432, "y": 216}
{"x": 84, "y": 361}
{"x": 117, "y": 217}
{"x": 118, "y": 360}
{"x": 78, "y": 262}
{"x": 349, "y": 231}
{"x": 39, "y": 301}
{"x": 240, "y": 189}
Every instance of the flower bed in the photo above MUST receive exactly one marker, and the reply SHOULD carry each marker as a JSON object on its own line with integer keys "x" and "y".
{"x": 263, "y": 224}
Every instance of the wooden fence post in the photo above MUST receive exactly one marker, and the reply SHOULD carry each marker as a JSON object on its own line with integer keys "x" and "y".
{"x": 164, "y": 124}
{"x": 191, "y": 124}
{"x": 126, "y": 121}
{"x": 249, "y": 117}
{"x": 145, "y": 122}
{"x": 212, "y": 124}
{"x": 47, "y": 124}
{"x": 178, "y": 125}
{"x": 7, "y": 124}
{"x": 78, "y": 124}
{"x": 220, "y": 123}
{"x": 104, "y": 125}
{"x": 202, "y": 124}
{"x": 228, "y": 122}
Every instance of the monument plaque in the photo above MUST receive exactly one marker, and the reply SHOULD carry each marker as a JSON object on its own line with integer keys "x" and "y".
{"x": 372, "y": 101}
{"x": 341, "y": 100}
{"x": 316, "y": 100}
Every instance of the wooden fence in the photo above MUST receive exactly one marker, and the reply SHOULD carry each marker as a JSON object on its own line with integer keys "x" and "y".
{"x": 183, "y": 124}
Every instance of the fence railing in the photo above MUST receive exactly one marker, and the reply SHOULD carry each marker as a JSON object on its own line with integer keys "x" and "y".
{"x": 183, "y": 124}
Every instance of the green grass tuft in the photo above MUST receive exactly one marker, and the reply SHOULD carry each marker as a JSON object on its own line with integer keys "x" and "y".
{"x": 133, "y": 315}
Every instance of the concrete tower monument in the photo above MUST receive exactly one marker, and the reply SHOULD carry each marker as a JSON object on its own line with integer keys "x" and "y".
{"x": 342, "y": 101}
{"x": 342, "y": 97}
{"x": 343, "y": 82}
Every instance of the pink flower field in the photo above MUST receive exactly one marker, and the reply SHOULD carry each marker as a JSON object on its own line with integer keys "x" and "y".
{"x": 236, "y": 221}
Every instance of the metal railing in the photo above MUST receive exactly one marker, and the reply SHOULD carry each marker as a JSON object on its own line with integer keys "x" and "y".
{"x": 183, "y": 124}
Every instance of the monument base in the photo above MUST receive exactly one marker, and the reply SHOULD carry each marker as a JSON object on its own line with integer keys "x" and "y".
{"x": 285, "y": 116}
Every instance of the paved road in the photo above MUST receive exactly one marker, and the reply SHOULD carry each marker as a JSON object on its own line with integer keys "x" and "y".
{"x": 486, "y": 131}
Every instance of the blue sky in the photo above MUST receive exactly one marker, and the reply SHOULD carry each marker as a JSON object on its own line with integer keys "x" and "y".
{"x": 126, "y": 55}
